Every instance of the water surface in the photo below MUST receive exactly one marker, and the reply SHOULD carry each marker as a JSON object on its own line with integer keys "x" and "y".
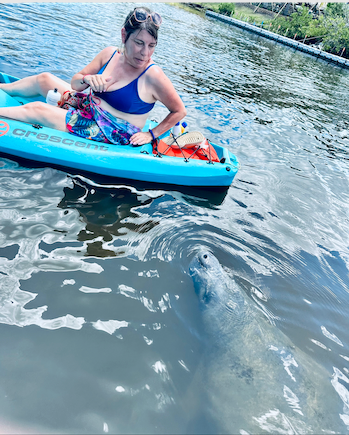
{"x": 100, "y": 328}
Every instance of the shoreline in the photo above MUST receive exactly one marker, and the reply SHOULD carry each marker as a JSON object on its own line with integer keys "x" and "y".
{"x": 292, "y": 43}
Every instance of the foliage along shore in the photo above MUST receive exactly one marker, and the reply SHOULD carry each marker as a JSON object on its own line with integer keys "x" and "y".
{"x": 327, "y": 29}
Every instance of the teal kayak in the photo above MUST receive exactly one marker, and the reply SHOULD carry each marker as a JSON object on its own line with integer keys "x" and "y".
{"x": 60, "y": 149}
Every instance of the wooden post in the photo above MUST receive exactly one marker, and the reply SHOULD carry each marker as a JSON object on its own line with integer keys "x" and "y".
{"x": 342, "y": 52}
{"x": 305, "y": 37}
{"x": 257, "y": 7}
{"x": 280, "y": 11}
{"x": 295, "y": 36}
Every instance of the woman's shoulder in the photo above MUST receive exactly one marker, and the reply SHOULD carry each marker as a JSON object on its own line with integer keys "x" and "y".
{"x": 156, "y": 77}
{"x": 154, "y": 71}
{"x": 107, "y": 53}
{"x": 110, "y": 50}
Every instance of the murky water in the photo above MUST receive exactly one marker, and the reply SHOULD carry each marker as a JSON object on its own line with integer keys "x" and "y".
{"x": 100, "y": 326}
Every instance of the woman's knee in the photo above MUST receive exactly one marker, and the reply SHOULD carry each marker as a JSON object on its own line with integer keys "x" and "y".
{"x": 37, "y": 106}
{"x": 46, "y": 81}
{"x": 46, "y": 115}
{"x": 35, "y": 110}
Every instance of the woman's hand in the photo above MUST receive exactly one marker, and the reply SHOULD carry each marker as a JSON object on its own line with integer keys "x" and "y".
{"x": 97, "y": 82}
{"x": 141, "y": 138}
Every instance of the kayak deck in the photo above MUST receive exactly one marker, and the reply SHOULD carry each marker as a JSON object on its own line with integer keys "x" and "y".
{"x": 53, "y": 147}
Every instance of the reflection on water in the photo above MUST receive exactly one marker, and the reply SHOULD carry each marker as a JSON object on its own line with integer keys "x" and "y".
{"x": 116, "y": 217}
{"x": 108, "y": 215}
{"x": 101, "y": 331}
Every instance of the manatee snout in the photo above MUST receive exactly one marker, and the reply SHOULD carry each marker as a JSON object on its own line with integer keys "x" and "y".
{"x": 201, "y": 265}
{"x": 207, "y": 274}
{"x": 203, "y": 261}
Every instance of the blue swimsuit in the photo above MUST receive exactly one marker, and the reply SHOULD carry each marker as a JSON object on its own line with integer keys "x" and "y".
{"x": 126, "y": 99}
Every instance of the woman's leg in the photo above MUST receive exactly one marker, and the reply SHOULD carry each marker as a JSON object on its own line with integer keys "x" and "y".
{"x": 37, "y": 113}
{"x": 35, "y": 85}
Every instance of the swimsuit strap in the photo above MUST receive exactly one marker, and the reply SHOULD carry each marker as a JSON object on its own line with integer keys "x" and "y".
{"x": 111, "y": 57}
{"x": 144, "y": 71}
{"x": 105, "y": 65}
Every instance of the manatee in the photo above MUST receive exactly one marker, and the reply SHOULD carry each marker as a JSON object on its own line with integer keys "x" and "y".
{"x": 251, "y": 379}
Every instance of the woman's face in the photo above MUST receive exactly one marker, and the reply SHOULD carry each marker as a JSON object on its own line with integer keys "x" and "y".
{"x": 139, "y": 48}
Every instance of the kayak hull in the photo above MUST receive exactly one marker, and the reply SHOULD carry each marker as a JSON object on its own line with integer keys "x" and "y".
{"x": 56, "y": 148}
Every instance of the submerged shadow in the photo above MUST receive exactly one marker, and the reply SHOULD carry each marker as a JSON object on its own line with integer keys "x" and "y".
{"x": 209, "y": 197}
{"x": 107, "y": 212}
{"x": 114, "y": 211}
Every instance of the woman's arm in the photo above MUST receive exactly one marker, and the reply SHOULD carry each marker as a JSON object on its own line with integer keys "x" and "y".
{"x": 89, "y": 77}
{"x": 163, "y": 91}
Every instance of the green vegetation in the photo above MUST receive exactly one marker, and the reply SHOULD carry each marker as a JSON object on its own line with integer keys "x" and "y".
{"x": 329, "y": 30}
{"x": 238, "y": 11}
{"x": 226, "y": 8}
{"x": 297, "y": 24}
{"x": 334, "y": 10}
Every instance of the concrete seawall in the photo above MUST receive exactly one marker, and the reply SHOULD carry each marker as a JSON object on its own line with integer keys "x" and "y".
{"x": 340, "y": 61}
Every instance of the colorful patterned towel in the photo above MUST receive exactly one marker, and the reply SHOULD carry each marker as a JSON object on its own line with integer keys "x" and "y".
{"x": 87, "y": 119}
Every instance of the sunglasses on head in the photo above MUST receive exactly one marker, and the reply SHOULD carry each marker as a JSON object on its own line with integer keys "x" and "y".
{"x": 141, "y": 15}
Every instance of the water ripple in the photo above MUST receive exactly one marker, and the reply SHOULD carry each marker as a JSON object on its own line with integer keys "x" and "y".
{"x": 107, "y": 267}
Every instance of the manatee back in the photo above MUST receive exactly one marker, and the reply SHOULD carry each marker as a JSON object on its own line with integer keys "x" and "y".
{"x": 252, "y": 379}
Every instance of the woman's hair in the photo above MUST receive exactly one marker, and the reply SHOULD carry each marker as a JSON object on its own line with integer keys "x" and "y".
{"x": 131, "y": 25}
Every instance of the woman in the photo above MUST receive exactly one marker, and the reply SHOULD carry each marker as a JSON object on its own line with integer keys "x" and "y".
{"x": 125, "y": 87}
